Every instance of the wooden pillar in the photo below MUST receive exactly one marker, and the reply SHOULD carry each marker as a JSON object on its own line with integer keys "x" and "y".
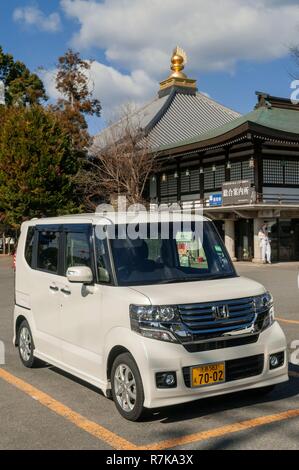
{"x": 227, "y": 170}
{"x": 158, "y": 182}
{"x": 178, "y": 169}
{"x": 201, "y": 179}
{"x": 258, "y": 170}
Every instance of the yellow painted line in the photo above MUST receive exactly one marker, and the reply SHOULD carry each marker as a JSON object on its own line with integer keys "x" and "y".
{"x": 222, "y": 431}
{"x": 284, "y": 320}
{"x": 119, "y": 443}
{"x": 91, "y": 427}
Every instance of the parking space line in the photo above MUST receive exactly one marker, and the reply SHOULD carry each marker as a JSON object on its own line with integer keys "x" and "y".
{"x": 222, "y": 431}
{"x": 284, "y": 320}
{"x": 96, "y": 430}
{"x": 119, "y": 443}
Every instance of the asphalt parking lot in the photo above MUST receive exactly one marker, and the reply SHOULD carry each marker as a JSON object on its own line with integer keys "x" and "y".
{"x": 46, "y": 409}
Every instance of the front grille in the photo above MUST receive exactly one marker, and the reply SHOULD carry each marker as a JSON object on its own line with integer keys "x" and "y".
{"x": 214, "y": 319}
{"x": 221, "y": 344}
{"x": 235, "y": 369}
{"x": 245, "y": 367}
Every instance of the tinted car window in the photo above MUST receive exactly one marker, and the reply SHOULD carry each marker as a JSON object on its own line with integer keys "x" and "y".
{"x": 77, "y": 249}
{"x": 29, "y": 245}
{"x": 47, "y": 251}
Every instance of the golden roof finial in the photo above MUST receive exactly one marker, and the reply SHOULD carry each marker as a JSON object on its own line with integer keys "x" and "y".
{"x": 177, "y": 78}
{"x": 178, "y": 62}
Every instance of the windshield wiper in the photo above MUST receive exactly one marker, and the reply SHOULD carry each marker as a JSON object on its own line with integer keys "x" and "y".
{"x": 197, "y": 278}
{"x": 219, "y": 276}
{"x": 171, "y": 281}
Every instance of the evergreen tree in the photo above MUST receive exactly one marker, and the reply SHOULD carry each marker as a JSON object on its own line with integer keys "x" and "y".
{"x": 36, "y": 165}
{"x": 21, "y": 86}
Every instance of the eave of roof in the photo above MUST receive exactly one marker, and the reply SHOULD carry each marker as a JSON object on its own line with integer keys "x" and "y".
{"x": 279, "y": 122}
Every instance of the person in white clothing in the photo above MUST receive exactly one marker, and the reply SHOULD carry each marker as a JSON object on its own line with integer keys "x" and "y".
{"x": 265, "y": 243}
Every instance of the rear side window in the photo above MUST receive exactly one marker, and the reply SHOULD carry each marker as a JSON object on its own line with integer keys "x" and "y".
{"x": 47, "y": 251}
{"x": 29, "y": 245}
{"x": 77, "y": 249}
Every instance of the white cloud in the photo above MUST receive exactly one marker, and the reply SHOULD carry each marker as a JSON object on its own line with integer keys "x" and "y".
{"x": 139, "y": 34}
{"x": 32, "y": 16}
{"x": 114, "y": 88}
{"x": 137, "y": 37}
{"x": 110, "y": 86}
{"x": 48, "y": 77}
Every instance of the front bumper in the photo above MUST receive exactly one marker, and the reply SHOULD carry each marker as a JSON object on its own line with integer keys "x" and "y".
{"x": 162, "y": 357}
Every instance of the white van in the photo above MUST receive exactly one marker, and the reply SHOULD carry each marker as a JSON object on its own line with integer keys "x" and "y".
{"x": 152, "y": 321}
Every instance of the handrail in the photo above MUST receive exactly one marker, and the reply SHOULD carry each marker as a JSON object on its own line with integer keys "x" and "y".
{"x": 280, "y": 198}
{"x": 261, "y": 198}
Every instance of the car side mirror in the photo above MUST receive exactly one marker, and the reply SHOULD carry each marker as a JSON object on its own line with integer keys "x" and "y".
{"x": 104, "y": 275}
{"x": 79, "y": 274}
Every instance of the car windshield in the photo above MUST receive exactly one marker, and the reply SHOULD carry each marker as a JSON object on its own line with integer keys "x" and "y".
{"x": 185, "y": 255}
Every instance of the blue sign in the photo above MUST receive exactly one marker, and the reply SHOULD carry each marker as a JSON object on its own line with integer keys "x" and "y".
{"x": 215, "y": 200}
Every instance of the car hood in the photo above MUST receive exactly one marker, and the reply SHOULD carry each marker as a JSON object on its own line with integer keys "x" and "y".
{"x": 200, "y": 291}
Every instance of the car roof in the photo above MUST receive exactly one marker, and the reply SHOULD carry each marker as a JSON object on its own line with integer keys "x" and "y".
{"x": 111, "y": 218}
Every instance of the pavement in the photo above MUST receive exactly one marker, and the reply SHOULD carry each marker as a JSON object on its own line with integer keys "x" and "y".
{"x": 44, "y": 408}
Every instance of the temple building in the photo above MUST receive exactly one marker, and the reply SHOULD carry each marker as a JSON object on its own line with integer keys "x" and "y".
{"x": 241, "y": 170}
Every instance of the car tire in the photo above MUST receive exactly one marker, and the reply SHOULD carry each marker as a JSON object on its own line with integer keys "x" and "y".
{"x": 127, "y": 388}
{"x": 26, "y": 345}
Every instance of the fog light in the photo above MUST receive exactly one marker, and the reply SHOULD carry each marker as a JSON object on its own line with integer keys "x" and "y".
{"x": 166, "y": 380}
{"x": 169, "y": 380}
{"x": 276, "y": 360}
{"x": 273, "y": 361}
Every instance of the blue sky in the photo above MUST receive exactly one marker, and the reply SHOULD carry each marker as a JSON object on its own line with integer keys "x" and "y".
{"x": 234, "y": 47}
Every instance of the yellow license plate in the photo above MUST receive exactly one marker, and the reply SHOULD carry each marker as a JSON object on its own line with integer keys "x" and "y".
{"x": 208, "y": 374}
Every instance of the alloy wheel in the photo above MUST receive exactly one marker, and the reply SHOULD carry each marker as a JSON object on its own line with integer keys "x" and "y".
{"x": 125, "y": 387}
{"x": 25, "y": 343}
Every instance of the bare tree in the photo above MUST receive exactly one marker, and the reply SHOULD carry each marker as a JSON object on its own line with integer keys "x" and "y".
{"x": 121, "y": 163}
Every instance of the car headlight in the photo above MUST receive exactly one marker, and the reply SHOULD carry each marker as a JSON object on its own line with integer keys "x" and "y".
{"x": 154, "y": 313}
{"x": 154, "y": 321}
{"x": 265, "y": 310}
{"x": 270, "y": 318}
{"x": 263, "y": 301}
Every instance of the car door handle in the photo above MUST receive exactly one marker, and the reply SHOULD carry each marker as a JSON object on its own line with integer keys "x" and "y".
{"x": 66, "y": 291}
{"x": 53, "y": 287}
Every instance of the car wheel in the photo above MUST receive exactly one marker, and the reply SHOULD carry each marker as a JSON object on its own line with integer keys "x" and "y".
{"x": 127, "y": 388}
{"x": 26, "y": 345}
